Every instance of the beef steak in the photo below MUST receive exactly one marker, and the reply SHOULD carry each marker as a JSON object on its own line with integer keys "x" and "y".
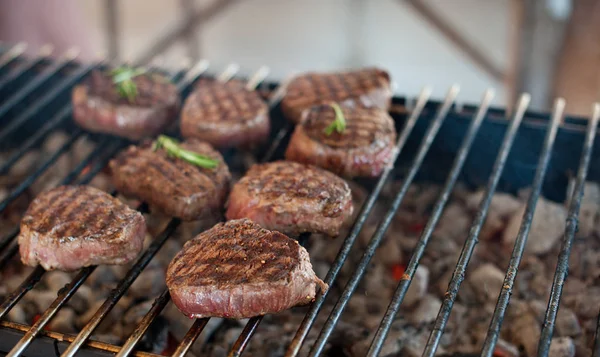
{"x": 238, "y": 269}
{"x": 225, "y": 114}
{"x": 98, "y": 107}
{"x": 176, "y": 187}
{"x": 291, "y": 198}
{"x": 70, "y": 227}
{"x": 363, "y": 149}
{"x": 369, "y": 87}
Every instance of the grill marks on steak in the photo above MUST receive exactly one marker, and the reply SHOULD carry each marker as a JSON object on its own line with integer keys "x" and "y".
{"x": 238, "y": 269}
{"x": 368, "y": 87}
{"x": 71, "y": 227}
{"x": 176, "y": 187}
{"x": 292, "y": 198}
{"x": 363, "y": 149}
{"x": 98, "y": 107}
{"x": 225, "y": 114}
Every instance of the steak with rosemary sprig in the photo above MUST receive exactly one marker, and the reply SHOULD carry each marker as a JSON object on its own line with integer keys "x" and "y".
{"x": 368, "y": 87}
{"x": 225, "y": 114}
{"x": 238, "y": 269}
{"x": 71, "y": 227}
{"x": 135, "y": 108}
{"x": 362, "y": 149}
{"x": 291, "y": 198}
{"x": 175, "y": 186}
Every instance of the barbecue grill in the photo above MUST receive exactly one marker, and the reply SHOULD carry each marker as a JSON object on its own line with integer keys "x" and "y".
{"x": 439, "y": 141}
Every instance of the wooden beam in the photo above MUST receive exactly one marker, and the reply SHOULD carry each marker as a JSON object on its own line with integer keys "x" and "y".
{"x": 451, "y": 34}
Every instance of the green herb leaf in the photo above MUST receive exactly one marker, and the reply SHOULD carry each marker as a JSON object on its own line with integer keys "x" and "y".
{"x": 123, "y": 79}
{"x": 339, "y": 124}
{"x": 173, "y": 149}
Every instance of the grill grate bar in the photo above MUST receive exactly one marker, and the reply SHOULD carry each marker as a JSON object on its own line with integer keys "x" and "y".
{"x": 16, "y": 295}
{"x": 241, "y": 343}
{"x": 22, "y": 70}
{"x": 427, "y": 232}
{"x": 562, "y": 265}
{"x": 45, "y": 101}
{"x": 469, "y": 245}
{"x": 157, "y": 307}
{"x": 382, "y": 227}
{"x": 190, "y": 337}
{"x": 596, "y": 351}
{"x": 77, "y": 133}
{"x": 32, "y": 86}
{"x": 340, "y": 259}
{"x": 519, "y": 247}
{"x": 12, "y": 54}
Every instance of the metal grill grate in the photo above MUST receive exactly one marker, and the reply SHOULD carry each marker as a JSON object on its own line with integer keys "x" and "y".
{"x": 57, "y": 79}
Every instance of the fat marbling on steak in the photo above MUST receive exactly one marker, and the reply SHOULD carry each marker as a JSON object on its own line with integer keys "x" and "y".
{"x": 368, "y": 87}
{"x": 238, "y": 269}
{"x": 291, "y": 198}
{"x": 363, "y": 149}
{"x": 70, "y": 227}
{"x": 174, "y": 186}
{"x": 225, "y": 114}
{"x": 98, "y": 106}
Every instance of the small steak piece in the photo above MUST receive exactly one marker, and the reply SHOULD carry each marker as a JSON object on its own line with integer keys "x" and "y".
{"x": 238, "y": 269}
{"x": 226, "y": 115}
{"x": 176, "y": 187}
{"x": 368, "y": 87}
{"x": 71, "y": 227}
{"x": 292, "y": 198}
{"x": 363, "y": 149}
{"x": 98, "y": 107}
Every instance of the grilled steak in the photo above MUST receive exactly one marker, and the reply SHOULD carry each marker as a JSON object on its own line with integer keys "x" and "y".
{"x": 225, "y": 115}
{"x": 176, "y": 187}
{"x": 70, "y": 227}
{"x": 238, "y": 269}
{"x": 98, "y": 107}
{"x": 369, "y": 87}
{"x": 363, "y": 149}
{"x": 291, "y": 198}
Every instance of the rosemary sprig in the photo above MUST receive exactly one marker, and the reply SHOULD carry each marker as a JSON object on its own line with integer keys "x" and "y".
{"x": 123, "y": 79}
{"x": 339, "y": 124}
{"x": 173, "y": 149}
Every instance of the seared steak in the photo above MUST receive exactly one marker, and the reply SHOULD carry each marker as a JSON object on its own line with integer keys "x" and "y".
{"x": 291, "y": 198}
{"x": 98, "y": 107}
{"x": 238, "y": 269}
{"x": 363, "y": 149}
{"x": 70, "y": 227}
{"x": 225, "y": 115}
{"x": 368, "y": 87}
{"x": 176, "y": 187}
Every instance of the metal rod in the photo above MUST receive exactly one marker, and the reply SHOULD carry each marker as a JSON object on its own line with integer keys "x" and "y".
{"x": 383, "y": 226}
{"x": 472, "y": 239}
{"x": 12, "y": 54}
{"x": 40, "y": 170}
{"x": 14, "y": 297}
{"x": 436, "y": 214}
{"x": 257, "y": 78}
{"x": 342, "y": 255}
{"x": 190, "y": 337}
{"x": 63, "y": 296}
{"x": 158, "y": 305}
{"x": 596, "y": 349}
{"x": 562, "y": 266}
{"x": 44, "y": 101}
{"x": 229, "y": 72}
{"x": 511, "y": 273}
{"x": 24, "y": 69}
{"x": 241, "y": 343}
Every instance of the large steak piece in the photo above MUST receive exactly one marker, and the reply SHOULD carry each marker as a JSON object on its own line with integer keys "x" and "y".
{"x": 71, "y": 227}
{"x": 291, "y": 198}
{"x": 368, "y": 87}
{"x": 238, "y": 269}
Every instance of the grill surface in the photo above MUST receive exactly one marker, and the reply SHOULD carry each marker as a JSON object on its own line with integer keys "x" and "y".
{"x": 528, "y": 139}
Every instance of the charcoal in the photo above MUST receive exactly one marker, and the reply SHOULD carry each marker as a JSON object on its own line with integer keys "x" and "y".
{"x": 562, "y": 347}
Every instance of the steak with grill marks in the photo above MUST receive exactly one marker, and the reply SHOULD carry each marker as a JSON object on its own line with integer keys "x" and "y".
{"x": 71, "y": 227}
{"x": 98, "y": 107}
{"x": 174, "y": 186}
{"x": 368, "y": 87}
{"x": 292, "y": 198}
{"x": 238, "y": 269}
{"x": 225, "y": 114}
{"x": 363, "y": 149}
